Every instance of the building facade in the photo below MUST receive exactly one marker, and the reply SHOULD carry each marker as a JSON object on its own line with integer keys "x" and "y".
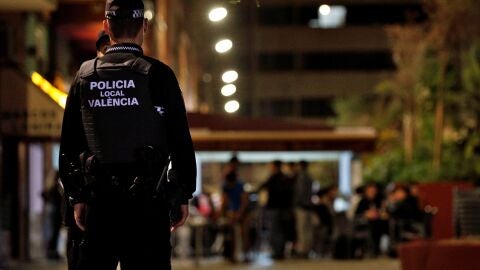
{"x": 295, "y": 57}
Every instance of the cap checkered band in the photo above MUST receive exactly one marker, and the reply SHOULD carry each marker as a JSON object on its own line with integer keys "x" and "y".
{"x": 138, "y": 13}
{"x": 110, "y": 14}
{"x": 135, "y": 14}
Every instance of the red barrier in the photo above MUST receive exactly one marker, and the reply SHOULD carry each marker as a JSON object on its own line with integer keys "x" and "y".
{"x": 440, "y": 195}
{"x": 414, "y": 255}
{"x": 455, "y": 254}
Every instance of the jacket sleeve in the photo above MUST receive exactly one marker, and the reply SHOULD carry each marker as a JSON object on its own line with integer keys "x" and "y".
{"x": 179, "y": 139}
{"x": 72, "y": 144}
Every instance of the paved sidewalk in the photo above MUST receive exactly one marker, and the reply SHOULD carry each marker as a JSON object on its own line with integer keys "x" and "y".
{"x": 380, "y": 264}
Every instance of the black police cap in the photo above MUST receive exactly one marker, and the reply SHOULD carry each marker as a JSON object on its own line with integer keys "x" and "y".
{"x": 122, "y": 9}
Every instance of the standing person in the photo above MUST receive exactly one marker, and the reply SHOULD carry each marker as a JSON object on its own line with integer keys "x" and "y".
{"x": 124, "y": 120}
{"x": 3, "y": 240}
{"x": 279, "y": 207}
{"x": 325, "y": 214}
{"x": 74, "y": 233}
{"x": 234, "y": 204}
{"x": 292, "y": 170}
{"x": 302, "y": 199}
{"x": 53, "y": 201}
{"x": 103, "y": 41}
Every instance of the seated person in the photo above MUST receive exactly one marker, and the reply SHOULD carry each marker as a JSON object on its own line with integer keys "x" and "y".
{"x": 370, "y": 216}
{"x": 405, "y": 215}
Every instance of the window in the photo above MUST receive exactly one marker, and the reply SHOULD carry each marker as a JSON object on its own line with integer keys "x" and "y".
{"x": 348, "y": 61}
{"x": 275, "y": 15}
{"x": 384, "y": 14}
{"x": 317, "y": 107}
{"x": 276, "y": 108}
{"x": 338, "y": 16}
{"x": 3, "y": 41}
{"x": 276, "y": 61}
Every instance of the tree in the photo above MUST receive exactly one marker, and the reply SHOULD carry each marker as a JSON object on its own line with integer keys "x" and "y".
{"x": 408, "y": 49}
{"x": 432, "y": 100}
{"x": 452, "y": 28}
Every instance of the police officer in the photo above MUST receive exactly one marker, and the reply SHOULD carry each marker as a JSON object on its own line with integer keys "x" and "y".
{"x": 124, "y": 120}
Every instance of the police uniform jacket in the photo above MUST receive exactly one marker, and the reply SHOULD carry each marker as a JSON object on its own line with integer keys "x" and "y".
{"x": 118, "y": 104}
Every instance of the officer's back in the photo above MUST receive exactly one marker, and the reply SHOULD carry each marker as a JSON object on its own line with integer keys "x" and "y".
{"x": 124, "y": 120}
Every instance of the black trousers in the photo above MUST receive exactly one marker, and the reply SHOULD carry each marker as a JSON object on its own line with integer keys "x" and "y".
{"x": 134, "y": 232}
{"x": 74, "y": 238}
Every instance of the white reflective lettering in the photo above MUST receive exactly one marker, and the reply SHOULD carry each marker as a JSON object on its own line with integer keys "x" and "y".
{"x": 111, "y": 85}
{"x": 113, "y": 102}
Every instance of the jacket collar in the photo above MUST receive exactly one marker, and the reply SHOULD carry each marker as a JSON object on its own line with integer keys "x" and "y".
{"x": 125, "y": 48}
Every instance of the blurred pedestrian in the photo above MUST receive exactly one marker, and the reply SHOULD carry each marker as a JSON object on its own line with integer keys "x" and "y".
{"x": 292, "y": 170}
{"x": 53, "y": 204}
{"x": 402, "y": 205}
{"x": 302, "y": 197}
{"x": 102, "y": 43}
{"x": 279, "y": 206}
{"x": 234, "y": 204}
{"x": 405, "y": 217}
{"x": 325, "y": 213}
{"x": 3, "y": 240}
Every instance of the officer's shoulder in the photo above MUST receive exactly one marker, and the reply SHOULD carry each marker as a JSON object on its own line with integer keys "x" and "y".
{"x": 158, "y": 65}
{"x": 87, "y": 68}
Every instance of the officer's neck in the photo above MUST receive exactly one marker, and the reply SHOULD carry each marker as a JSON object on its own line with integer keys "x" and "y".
{"x": 125, "y": 40}
{"x": 136, "y": 40}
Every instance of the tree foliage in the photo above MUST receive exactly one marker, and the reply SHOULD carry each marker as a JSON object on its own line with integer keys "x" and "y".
{"x": 431, "y": 104}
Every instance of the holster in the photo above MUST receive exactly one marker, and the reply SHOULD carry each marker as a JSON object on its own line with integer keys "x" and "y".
{"x": 90, "y": 168}
{"x": 166, "y": 183}
{"x": 153, "y": 180}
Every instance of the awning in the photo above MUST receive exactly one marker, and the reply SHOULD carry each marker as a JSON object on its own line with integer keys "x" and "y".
{"x": 27, "y": 109}
{"x": 227, "y": 133}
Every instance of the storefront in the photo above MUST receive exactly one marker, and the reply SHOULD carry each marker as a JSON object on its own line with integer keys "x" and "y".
{"x": 31, "y": 122}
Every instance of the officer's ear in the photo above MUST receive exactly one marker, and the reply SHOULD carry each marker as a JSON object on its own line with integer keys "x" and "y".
{"x": 106, "y": 27}
{"x": 146, "y": 26}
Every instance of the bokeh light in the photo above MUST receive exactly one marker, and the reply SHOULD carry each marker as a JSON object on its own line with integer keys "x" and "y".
{"x": 217, "y": 14}
{"x": 232, "y": 106}
{"x": 230, "y": 76}
{"x": 229, "y": 90}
